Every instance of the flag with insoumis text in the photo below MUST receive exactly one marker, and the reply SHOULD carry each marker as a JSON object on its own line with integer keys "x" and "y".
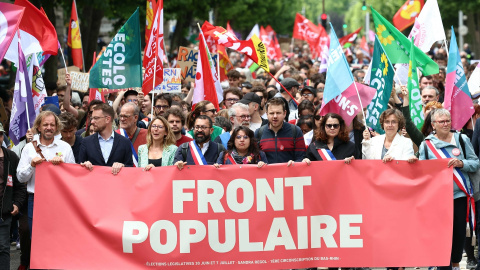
{"x": 120, "y": 66}
{"x": 154, "y": 53}
{"x": 414, "y": 93}
{"x": 457, "y": 96}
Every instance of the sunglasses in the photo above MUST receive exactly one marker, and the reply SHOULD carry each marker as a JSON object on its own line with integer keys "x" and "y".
{"x": 334, "y": 126}
{"x": 211, "y": 110}
{"x": 317, "y": 117}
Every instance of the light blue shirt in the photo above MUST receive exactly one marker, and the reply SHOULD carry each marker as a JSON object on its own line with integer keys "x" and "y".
{"x": 106, "y": 145}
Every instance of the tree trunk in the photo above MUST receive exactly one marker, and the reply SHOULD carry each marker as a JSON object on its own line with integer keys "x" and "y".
{"x": 473, "y": 24}
{"x": 90, "y": 27}
{"x": 183, "y": 22}
{"x": 51, "y": 65}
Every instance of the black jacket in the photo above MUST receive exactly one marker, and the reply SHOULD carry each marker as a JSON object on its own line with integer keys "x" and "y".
{"x": 340, "y": 150}
{"x": 121, "y": 151}
{"x": 15, "y": 193}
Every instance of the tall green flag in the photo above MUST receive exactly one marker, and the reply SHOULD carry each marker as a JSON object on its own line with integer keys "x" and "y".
{"x": 120, "y": 66}
{"x": 414, "y": 94}
{"x": 398, "y": 46}
{"x": 381, "y": 78}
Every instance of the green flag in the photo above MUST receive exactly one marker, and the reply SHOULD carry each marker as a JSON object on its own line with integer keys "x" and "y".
{"x": 414, "y": 94}
{"x": 120, "y": 66}
{"x": 397, "y": 46}
{"x": 381, "y": 79}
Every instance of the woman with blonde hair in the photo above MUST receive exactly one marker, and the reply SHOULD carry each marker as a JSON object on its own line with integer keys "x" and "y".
{"x": 160, "y": 148}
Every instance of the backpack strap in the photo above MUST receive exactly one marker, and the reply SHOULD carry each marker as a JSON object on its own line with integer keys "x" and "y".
{"x": 37, "y": 149}
{"x": 184, "y": 147}
{"x": 462, "y": 145}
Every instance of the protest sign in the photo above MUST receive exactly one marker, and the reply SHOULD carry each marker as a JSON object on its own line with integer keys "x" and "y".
{"x": 187, "y": 62}
{"x": 172, "y": 81}
{"x": 239, "y": 216}
{"x": 61, "y": 74}
{"x": 80, "y": 81}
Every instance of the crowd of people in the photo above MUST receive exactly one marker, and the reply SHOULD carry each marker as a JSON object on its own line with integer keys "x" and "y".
{"x": 258, "y": 123}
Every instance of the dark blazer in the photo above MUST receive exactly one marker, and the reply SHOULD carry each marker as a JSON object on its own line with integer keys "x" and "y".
{"x": 15, "y": 193}
{"x": 211, "y": 155}
{"x": 121, "y": 151}
{"x": 340, "y": 150}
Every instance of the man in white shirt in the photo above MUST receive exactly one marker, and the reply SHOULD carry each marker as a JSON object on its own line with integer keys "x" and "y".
{"x": 43, "y": 148}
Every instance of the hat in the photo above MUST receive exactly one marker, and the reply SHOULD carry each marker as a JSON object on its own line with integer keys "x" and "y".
{"x": 1, "y": 128}
{"x": 309, "y": 88}
{"x": 289, "y": 83}
{"x": 250, "y": 97}
{"x": 52, "y": 108}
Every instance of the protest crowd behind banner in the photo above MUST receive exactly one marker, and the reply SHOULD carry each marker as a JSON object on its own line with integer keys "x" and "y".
{"x": 214, "y": 156}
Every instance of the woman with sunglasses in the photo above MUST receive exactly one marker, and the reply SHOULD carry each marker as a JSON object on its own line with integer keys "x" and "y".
{"x": 207, "y": 108}
{"x": 391, "y": 145}
{"x": 160, "y": 148}
{"x": 444, "y": 143}
{"x": 331, "y": 141}
{"x": 242, "y": 148}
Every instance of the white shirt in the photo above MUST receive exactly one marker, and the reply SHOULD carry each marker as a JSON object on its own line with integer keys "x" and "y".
{"x": 255, "y": 126}
{"x": 205, "y": 147}
{"x": 25, "y": 171}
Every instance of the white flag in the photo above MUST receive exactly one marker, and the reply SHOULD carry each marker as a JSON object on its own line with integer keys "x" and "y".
{"x": 255, "y": 30}
{"x": 474, "y": 82}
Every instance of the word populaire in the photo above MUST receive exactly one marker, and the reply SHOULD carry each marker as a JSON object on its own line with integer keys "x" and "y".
{"x": 208, "y": 199}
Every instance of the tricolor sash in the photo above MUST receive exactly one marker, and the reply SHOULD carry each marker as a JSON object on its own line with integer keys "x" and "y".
{"x": 229, "y": 157}
{"x": 326, "y": 154}
{"x": 197, "y": 155}
{"x": 123, "y": 132}
{"x": 461, "y": 182}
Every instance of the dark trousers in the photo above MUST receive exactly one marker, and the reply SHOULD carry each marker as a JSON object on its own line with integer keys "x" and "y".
{"x": 5, "y": 242}
{"x": 24, "y": 231}
{"x": 30, "y": 213}
{"x": 459, "y": 231}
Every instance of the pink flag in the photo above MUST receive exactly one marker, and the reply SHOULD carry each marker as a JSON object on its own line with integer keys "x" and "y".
{"x": 347, "y": 104}
{"x": 12, "y": 15}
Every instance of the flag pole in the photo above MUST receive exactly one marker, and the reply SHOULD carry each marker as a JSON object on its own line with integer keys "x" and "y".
{"x": 283, "y": 88}
{"x": 155, "y": 69}
{"x": 446, "y": 47}
{"x": 291, "y": 50}
{"x": 63, "y": 57}
{"x": 80, "y": 33}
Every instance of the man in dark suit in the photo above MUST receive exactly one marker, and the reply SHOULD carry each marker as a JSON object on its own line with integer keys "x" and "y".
{"x": 105, "y": 147}
{"x": 206, "y": 151}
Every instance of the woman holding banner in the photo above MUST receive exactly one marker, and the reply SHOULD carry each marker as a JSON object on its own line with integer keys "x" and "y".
{"x": 332, "y": 141}
{"x": 391, "y": 145}
{"x": 160, "y": 148}
{"x": 456, "y": 147}
{"x": 242, "y": 148}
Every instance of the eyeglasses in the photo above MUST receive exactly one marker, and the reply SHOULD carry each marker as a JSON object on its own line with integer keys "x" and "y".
{"x": 200, "y": 127}
{"x": 245, "y": 137}
{"x": 243, "y": 117}
{"x": 390, "y": 123}
{"x": 334, "y": 126}
{"x": 123, "y": 116}
{"x": 443, "y": 122}
{"x": 247, "y": 85}
{"x": 162, "y": 107}
{"x": 157, "y": 126}
{"x": 307, "y": 95}
{"x": 317, "y": 117}
{"x": 212, "y": 111}
{"x": 132, "y": 100}
{"x": 233, "y": 100}
{"x": 95, "y": 118}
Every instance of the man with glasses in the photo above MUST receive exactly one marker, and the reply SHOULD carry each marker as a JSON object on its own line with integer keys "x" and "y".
{"x": 105, "y": 147}
{"x": 128, "y": 128}
{"x": 163, "y": 102}
{"x": 253, "y": 101}
{"x": 200, "y": 151}
{"x": 239, "y": 116}
{"x": 308, "y": 93}
{"x": 231, "y": 96}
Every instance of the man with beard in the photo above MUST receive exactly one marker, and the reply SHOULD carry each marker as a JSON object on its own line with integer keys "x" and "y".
{"x": 43, "y": 148}
{"x": 105, "y": 147}
{"x": 239, "y": 116}
{"x": 202, "y": 150}
{"x": 176, "y": 120}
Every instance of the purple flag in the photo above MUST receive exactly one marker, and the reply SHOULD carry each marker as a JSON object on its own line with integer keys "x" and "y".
{"x": 22, "y": 97}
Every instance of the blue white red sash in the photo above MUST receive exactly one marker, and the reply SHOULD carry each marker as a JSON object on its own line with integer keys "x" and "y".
{"x": 134, "y": 153}
{"x": 326, "y": 154}
{"x": 461, "y": 182}
{"x": 197, "y": 155}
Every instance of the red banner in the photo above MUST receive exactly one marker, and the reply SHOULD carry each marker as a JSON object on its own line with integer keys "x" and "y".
{"x": 364, "y": 214}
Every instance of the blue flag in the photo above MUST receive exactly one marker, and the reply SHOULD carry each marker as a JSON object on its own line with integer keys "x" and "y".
{"x": 22, "y": 97}
{"x": 339, "y": 76}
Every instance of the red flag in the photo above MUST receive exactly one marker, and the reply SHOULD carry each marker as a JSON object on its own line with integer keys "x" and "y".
{"x": 12, "y": 16}
{"x": 39, "y": 33}
{"x": 406, "y": 15}
{"x": 229, "y": 29}
{"x": 225, "y": 64}
{"x": 305, "y": 30}
{"x": 74, "y": 40}
{"x": 267, "y": 39}
{"x": 364, "y": 47}
{"x": 204, "y": 84}
{"x": 322, "y": 45}
{"x": 150, "y": 16}
{"x": 154, "y": 50}
{"x": 273, "y": 35}
{"x": 350, "y": 38}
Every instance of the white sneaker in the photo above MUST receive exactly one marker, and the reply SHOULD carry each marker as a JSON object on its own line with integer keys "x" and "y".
{"x": 18, "y": 245}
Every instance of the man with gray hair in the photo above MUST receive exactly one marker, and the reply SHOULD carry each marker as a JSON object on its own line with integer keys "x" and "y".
{"x": 239, "y": 116}
{"x": 429, "y": 93}
{"x": 128, "y": 126}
